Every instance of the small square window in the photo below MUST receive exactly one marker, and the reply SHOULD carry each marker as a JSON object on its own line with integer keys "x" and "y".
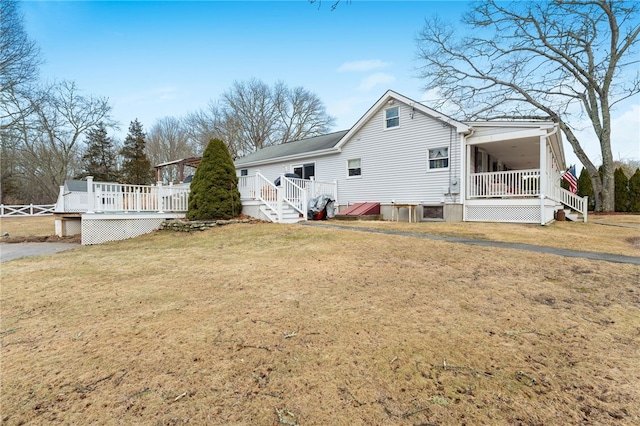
{"x": 354, "y": 167}
{"x": 244, "y": 172}
{"x": 438, "y": 158}
{"x": 392, "y": 117}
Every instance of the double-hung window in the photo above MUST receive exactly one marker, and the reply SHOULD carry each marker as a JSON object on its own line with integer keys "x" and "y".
{"x": 392, "y": 117}
{"x": 438, "y": 158}
{"x": 353, "y": 167}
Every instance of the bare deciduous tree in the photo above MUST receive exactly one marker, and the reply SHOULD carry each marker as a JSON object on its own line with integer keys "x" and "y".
{"x": 252, "y": 115}
{"x": 167, "y": 141}
{"x": 557, "y": 59}
{"x": 46, "y": 142}
{"x": 19, "y": 61}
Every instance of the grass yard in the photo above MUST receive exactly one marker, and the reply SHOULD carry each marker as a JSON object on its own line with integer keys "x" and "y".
{"x": 265, "y": 324}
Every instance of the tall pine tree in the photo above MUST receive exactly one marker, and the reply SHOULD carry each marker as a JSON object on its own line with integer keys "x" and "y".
{"x": 100, "y": 158}
{"x": 136, "y": 167}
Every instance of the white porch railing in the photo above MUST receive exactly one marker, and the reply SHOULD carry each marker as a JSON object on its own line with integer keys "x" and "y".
{"x": 522, "y": 183}
{"x": 513, "y": 183}
{"x": 27, "y": 210}
{"x": 116, "y": 197}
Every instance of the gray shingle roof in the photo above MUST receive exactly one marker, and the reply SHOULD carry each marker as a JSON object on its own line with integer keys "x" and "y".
{"x": 76, "y": 185}
{"x": 303, "y": 146}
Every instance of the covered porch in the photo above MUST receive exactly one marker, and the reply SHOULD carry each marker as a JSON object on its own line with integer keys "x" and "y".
{"x": 514, "y": 174}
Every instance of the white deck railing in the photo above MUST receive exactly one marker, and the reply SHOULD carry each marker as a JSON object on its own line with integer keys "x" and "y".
{"x": 27, "y": 210}
{"x": 115, "y": 197}
{"x": 513, "y": 183}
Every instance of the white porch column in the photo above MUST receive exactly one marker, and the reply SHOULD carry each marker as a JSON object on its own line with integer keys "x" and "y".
{"x": 466, "y": 179}
{"x": 90, "y": 195}
{"x": 543, "y": 176}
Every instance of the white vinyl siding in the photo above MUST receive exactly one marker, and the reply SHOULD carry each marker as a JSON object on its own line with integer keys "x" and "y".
{"x": 395, "y": 161}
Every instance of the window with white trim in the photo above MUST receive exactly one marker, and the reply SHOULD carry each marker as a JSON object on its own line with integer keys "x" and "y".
{"x": 438, "y": 158}
{"x": 244, "y": 172}
{"x": 392, "y": 117}
{"x": 353, "y": 166}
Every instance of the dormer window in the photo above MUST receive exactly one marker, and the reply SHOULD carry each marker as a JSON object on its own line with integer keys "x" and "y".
{"x": 392, "y": 117}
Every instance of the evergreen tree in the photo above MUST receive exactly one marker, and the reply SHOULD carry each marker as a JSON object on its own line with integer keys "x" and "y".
{"x": 100, "y": 158}
{"x": 586, "y": 188}
{"x": 214, "y": 188}
{"x": 634, "y": 192}
{"x": 136, "y": 167}
{"x": 621, "y": 190}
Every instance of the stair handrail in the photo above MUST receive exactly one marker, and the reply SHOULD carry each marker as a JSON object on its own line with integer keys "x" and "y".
{"x": 268, "y": 194}
{"x": 293, "y": 194}
{"x": 569, "y": 199}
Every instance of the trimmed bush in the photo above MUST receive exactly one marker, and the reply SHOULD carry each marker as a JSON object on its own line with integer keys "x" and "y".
{"x": 621, "y": 190}
{"x": 634, "y": 192}
{"x": 214, "y": 188}
{"x": 586, "y": 188}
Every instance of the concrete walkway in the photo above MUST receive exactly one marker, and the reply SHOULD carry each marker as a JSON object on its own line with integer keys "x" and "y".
{"x": 616, "y": 258}
{"x": 10, "y": 251}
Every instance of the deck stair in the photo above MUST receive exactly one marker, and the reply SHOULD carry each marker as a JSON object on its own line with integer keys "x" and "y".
{"x": 572, "y": 215}
{"x": 289, "y": 214}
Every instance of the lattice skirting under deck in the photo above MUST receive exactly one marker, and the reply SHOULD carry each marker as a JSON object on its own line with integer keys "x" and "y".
{"x": 513, "y": 214}
{"x": 96, "y": 230}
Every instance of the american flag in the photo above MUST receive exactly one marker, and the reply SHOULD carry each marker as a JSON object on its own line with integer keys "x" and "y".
{"x": 570, "y": 177}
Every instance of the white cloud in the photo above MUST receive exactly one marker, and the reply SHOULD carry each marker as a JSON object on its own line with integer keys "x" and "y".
{"x": 376, "y": 79}
{"x": 363, "y": 66}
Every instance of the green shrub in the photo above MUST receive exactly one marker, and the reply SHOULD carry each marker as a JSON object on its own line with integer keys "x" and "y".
{"x": 634, "y": 192}
{"x": 621, "y": 190}
{"x": 214, "y": 188}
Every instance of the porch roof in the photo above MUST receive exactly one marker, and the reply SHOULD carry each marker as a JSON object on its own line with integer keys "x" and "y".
{"x": 516, "y": 143}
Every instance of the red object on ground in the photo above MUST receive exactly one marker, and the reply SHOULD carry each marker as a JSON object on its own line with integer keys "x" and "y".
{"x": 361, "y": 209}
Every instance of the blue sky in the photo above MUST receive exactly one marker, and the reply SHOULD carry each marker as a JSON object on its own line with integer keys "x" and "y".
{"x": 169, "y": 58}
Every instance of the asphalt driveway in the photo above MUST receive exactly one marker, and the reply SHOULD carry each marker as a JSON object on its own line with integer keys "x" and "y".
{"x": 10, "y": 251}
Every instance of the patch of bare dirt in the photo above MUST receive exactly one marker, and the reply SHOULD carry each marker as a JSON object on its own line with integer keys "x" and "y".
{"x": 634, "y": 241}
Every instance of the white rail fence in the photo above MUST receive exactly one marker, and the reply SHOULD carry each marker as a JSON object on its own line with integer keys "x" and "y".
{"x": 27, "y": 210}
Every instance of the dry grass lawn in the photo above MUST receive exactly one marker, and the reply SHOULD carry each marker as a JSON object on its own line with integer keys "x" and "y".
{"x": 23, "y": 226}
{"x": 264, "y": 324}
